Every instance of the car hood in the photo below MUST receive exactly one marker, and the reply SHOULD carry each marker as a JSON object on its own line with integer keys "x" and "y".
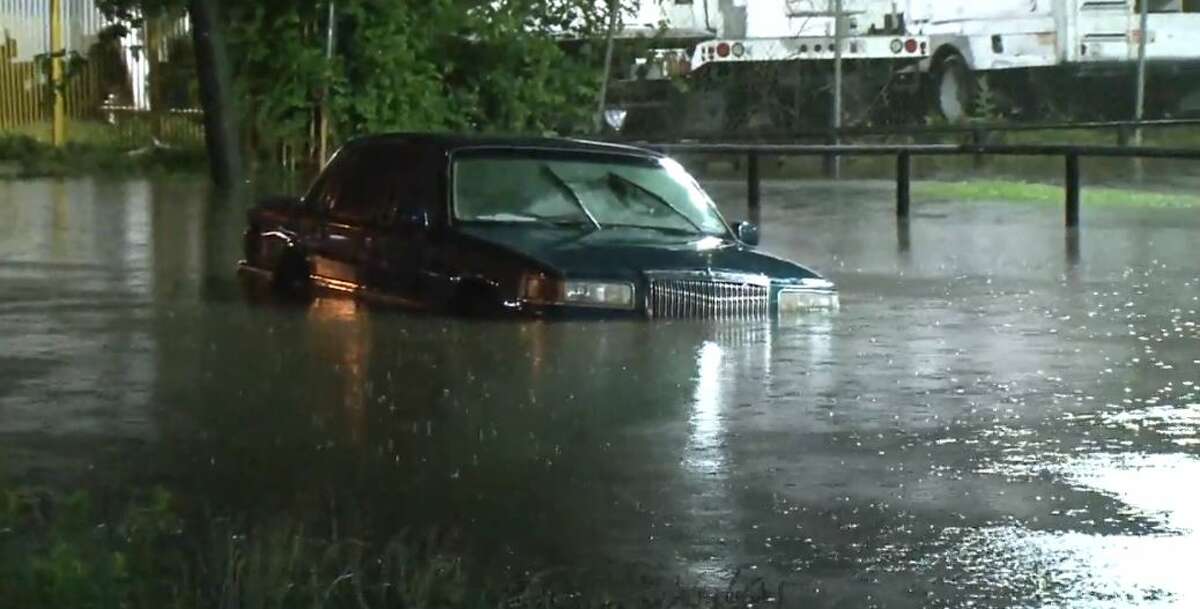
{"x": 626, "y": 253}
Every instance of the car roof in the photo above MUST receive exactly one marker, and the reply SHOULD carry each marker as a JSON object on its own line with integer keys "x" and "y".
{"x": 451, "y": 142}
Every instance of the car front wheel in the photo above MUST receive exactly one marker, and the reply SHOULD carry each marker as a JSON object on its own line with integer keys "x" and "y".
{"x": 291, "y": 276}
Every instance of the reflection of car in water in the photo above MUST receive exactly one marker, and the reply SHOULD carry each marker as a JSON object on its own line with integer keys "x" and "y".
{"x": 540, "y": 227}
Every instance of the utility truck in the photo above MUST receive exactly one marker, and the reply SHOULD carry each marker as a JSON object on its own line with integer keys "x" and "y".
{"x": 705, "y": 66}
{"x": 1077, "y": 58}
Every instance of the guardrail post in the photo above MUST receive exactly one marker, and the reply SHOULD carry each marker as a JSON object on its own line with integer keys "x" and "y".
{"x": 977, "y": 139}
{"x": 1123, "y": 135}
{"x": 903, "y": 184}
{"x": 1072, "y": 189}
{"x": 58, "y": 128}
{"x": 753, "y": 184}
{"x": 833, "y": 168}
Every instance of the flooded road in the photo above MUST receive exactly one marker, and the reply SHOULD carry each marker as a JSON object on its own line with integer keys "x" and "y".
{"x": 997, "y": 417}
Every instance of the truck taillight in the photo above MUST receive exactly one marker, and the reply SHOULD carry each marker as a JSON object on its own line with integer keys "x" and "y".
{"x": 723, "y": 50}
{"x": 897, "y": 46}
{"x": 910, "y": 45}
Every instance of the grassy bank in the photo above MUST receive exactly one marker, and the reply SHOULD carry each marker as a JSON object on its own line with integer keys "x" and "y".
{"x": 1037, "y": 193}
{"x": 73, "y": 551}
{"x": 24, "y": 155}
{"x": 1163, "y": 137}
{"x": 58, "y": 552}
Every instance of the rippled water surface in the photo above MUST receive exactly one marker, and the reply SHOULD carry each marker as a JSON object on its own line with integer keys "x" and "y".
{"x": 998, "y": 416}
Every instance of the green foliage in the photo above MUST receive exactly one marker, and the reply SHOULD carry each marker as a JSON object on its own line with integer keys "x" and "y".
{"x": 387, "y": 78}
{"x": 437, "y": 65}
{"x": 60, "y": 552}
{"x": 986, "y": 105}
{"x": 54, "y": 553}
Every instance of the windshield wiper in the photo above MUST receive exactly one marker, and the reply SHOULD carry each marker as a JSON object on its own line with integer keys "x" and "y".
{"x": 620, "y": 179}
{"x": 574, "y": 196}
{"x": 531, "y": 218}
{"x": 664, "y": 229}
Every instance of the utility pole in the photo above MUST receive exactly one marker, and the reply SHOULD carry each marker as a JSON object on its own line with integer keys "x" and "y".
{"x": 152, "y": 30}
{"x": 613, "y": 15}
{"x": 1140, "y": 110}
{"x": 835, "y": 123}
{"x": 323, "y": 118}
{"x": 216, "y": 94}
{"x": 58, "y": 127}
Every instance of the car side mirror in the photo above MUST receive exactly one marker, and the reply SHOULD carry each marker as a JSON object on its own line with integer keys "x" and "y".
{"x": 747, "y": 233}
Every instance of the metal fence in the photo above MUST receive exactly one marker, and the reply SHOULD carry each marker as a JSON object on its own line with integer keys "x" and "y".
{"x": 123, "y": 83}
{"x": 904, "y": 153}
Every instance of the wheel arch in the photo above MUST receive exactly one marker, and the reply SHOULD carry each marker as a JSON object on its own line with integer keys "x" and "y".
{"x": 951, "y": 48}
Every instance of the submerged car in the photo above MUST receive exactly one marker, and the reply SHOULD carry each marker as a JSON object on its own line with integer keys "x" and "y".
{"x": 534, "y": 227}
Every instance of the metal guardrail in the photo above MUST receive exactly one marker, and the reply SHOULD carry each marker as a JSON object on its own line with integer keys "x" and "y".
{"x": 904, "y": 154}
{"x": 977, "y": 131}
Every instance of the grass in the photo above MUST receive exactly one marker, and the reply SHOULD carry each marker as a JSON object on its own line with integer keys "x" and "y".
{"x": 60, "y": 551}
{"x": 128, "y": 131}
{"x": 1164, "y": 137}
{"x": 97, "y": 147}
{"x": 26, "y": 157}
{"x": 1030, "y": 192}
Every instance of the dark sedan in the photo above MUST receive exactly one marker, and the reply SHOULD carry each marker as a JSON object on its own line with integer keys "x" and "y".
{"x": 540, "y": 227}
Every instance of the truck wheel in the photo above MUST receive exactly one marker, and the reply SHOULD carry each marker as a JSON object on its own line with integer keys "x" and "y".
{"x": 954, "y": 94}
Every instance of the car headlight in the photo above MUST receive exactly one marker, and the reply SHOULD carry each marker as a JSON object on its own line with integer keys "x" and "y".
{"x": 599, "y": 294}
{"x": 798, "y": 301}
{"x": 540, "y": 289}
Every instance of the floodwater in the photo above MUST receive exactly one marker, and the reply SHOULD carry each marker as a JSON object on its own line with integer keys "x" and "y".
{"x": 999, "y": 415}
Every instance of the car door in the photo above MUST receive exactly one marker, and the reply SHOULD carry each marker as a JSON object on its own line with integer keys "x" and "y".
{"x": 346, "y": 212}
{"x": 399, "y": 245}
{"x": 309, "y": 223}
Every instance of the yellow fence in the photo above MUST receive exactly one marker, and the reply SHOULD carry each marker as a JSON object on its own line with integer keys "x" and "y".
{"x": 22, "y": 96}
{"x": 134, "y": 90}
{"x": 25, "y": 93}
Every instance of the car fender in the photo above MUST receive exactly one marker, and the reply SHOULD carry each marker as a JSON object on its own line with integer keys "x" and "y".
{"x": 268, "y": 249}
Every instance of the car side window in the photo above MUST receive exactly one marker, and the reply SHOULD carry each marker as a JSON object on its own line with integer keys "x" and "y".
{"x": 357, "y": 200}
{"x": 409, "y": 187}
{"x": 329, "y": 186}
{"x": 390, "y": 184}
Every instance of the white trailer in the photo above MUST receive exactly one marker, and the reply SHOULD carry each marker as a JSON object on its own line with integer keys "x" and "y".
{"x": 1071, "y": 54}
{"x": 765, "y": 63}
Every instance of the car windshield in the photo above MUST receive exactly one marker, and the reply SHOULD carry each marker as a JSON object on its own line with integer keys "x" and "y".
{"x": 601, "y": 192}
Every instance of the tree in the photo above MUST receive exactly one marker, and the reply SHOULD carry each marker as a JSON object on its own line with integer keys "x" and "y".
{"x": 463, "y": 65}
{"x": 216, "y": 94}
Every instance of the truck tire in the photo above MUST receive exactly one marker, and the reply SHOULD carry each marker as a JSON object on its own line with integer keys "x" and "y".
{"x": 954, "y": 89}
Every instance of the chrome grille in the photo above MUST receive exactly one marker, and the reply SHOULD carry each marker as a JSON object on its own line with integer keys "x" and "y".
{"x": 701, "y": 297}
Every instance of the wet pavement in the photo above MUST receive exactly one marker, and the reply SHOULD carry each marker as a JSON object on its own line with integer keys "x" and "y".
{"x": 999, "y": 416}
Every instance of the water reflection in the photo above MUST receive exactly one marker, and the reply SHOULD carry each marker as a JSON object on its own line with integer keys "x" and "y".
{"x": 704, "y": 450}
{"x": 1074, "y": 252}
{"x": 340, "y": 333}
{"x": 1084, "y": 568}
